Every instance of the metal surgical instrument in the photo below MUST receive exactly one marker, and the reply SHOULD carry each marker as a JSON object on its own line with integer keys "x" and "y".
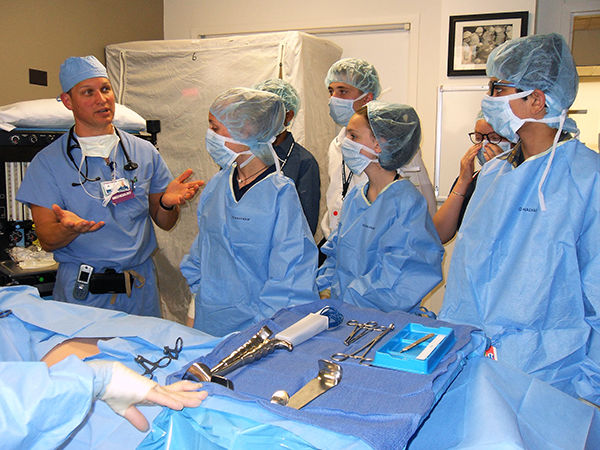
{"x": 330, "y": 374}
{"x": 365, "y": 327}
{"x": 339, "y": 357}
{"x": 417, "y": 342}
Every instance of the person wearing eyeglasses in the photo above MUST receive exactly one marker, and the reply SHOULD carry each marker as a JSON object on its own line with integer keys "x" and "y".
{"x": 486, "y": 145}
{"x": 94, "y": 194}
{"x": 526, "y": 263}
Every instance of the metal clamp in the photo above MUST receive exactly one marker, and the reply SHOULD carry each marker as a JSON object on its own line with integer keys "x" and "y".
{"x": 367, "y": 348}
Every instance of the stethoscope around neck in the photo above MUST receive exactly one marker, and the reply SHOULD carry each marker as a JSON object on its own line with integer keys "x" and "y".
{"x": 72, "y": 143}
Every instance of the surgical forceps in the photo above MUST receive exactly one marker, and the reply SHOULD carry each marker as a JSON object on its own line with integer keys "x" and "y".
{"x": 339, "y": 357}
{"x": 365, "y": 327}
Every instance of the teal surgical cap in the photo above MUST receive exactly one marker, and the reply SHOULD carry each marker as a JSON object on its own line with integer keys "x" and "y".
{"x": 355, "y": 72}
{"x": 538, "y": 62}
{"x": 76, "y": 69}
{"x": 397, "y": 130}
{"x": 252, "y": 117}
{"x": 285, "y": 90}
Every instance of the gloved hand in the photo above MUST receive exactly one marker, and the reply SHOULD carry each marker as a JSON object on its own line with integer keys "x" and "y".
{"x": 121, "y": 388}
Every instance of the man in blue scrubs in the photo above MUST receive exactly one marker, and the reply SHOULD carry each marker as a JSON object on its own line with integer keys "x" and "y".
{"x": 526, "y": 266}
{"x": 92, "y": 195}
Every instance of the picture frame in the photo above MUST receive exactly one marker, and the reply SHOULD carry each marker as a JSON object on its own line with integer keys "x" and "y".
{"x": 473, "y": 37}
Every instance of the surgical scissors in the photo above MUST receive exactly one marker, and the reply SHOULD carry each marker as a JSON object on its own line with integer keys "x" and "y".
{"x": 365, "y": 327}
{"x": 339, "y": 357}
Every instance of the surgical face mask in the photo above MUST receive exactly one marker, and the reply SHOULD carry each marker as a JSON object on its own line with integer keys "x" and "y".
{"x": 342, "y": 109}
{"x": 354, "y": 159}
{"x": 220, "y": 153}
{"x": 505, "y": 146}
{"x": 499, "y": 115}
{"x": 98, "y": 146}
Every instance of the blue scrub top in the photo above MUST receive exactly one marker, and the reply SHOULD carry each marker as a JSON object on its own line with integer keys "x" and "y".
{"x": 251, "y": 257}
{"x": 127, "y": 239}
{"x": 530, "y": 278}
{"x": 386, "y": 254}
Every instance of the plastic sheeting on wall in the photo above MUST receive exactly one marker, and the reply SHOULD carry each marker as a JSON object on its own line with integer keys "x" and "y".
{"x": 176, "y": 81}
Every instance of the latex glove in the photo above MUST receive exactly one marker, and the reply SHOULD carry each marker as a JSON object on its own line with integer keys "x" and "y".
{"x": 122, "y": 388}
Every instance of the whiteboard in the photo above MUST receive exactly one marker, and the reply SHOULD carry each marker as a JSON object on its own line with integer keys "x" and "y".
{"x": 457, "y": 109}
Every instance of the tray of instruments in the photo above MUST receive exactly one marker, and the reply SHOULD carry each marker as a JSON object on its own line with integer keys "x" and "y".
{"x": 416, "y": 348}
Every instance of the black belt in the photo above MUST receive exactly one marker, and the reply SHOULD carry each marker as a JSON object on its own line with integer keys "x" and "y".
{"x": 109, "y": 282}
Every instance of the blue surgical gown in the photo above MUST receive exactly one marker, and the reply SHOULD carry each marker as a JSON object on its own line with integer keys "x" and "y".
{"x": 531, "y": 278}
{"x": 250, "y": 258}
{"x": 31, "y": 394}
{"x": 386, "y": 254}
{"x": 127, "y": 239}
{"x": 40, "y": 407}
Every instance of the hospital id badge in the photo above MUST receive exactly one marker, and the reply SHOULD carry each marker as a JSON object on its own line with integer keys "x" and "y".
{"x": 117, "y": 190}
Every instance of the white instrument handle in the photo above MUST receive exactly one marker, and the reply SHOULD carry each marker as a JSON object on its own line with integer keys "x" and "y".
{"x": 304, "y": 329}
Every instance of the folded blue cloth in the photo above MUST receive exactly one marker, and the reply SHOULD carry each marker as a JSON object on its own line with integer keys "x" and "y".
{"x": 382, "y": 407}
{"x": 494, "y": 405}
{"x": 35, "y": 326}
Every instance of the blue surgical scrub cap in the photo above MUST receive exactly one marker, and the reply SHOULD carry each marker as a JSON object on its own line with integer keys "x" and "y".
{"x": 252, "y": 117}
{"x": 538, "y": 62}
{"x": 397, "y": 130}
{"x": 77, "y": 68}
{"x": 355, "y": 72}
{"x": 285, "y": 90}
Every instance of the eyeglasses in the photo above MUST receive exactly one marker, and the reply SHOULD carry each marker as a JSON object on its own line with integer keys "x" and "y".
{"x": 495, "y": 84}
{"x": 171, "y": 353}
{"x": 477, "y": 138}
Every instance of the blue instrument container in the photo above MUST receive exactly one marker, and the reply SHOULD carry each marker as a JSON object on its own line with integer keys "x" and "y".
{"x": 423, "y": 357}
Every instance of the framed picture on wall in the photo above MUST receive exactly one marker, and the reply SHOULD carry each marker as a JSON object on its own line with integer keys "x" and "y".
{"x": 473, "y": 37}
